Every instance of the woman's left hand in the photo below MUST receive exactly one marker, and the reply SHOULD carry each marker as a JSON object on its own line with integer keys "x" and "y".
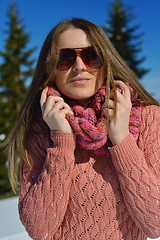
{"x": 119, "y": 127}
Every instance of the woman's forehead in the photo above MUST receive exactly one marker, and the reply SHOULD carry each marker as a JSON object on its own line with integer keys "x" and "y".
{"x": 73, "y": 38}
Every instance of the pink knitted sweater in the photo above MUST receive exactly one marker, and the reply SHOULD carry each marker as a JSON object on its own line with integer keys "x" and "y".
{"x": 73, "y": 194}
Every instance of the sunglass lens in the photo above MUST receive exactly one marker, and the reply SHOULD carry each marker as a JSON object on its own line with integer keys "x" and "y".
{"x": 66, "y": 59}
{"x": 91, "y": 58}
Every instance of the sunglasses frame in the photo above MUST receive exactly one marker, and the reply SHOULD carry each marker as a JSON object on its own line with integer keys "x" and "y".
{"x": 81, "y": 53}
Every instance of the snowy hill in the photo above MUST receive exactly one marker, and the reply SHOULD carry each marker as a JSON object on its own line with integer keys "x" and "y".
{"x": 10, "y": 225}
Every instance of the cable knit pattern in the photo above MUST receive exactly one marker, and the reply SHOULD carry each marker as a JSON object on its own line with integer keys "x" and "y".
{"x": 74, "y": 194}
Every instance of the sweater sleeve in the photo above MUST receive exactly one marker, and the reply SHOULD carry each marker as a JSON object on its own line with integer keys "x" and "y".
{"x": 138, "y": 169}
{"x": 44, "y": 192}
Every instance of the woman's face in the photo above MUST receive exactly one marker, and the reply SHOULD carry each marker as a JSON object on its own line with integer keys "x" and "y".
{"x": 79, "y": 82}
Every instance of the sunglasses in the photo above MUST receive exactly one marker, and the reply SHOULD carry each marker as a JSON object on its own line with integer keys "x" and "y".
{"x": 88, "y": 55}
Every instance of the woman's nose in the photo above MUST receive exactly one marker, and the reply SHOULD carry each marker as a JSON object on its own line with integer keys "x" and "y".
{"x": 79, "y": 65}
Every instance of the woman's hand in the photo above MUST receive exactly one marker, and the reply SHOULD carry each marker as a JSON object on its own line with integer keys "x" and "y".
{"x": 119, "y": 128}
{"x": 54, "y": 111}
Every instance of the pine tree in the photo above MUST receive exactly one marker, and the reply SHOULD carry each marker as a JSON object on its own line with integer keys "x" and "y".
{"x": 15, "y": 70}
{"x": 125, "y": 37}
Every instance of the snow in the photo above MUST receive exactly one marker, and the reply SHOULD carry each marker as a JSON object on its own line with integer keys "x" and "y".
{"x": 10, "y": 225}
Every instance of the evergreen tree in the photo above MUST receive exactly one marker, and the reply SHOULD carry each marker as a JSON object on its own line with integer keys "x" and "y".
{"x": 15, "y": 70}
{"x": 124, "y": 36}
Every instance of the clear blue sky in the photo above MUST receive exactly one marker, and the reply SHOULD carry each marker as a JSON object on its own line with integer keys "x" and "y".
{"x": 40, "y": 16}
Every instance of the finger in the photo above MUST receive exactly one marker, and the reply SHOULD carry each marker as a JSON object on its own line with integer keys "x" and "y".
{"x": 58, "y": 106}
{"x": 67, "y": 112}
{"x": 108, "y": 113}
{"x": 120, "y": 97}
{"x": 62, "y": 113}
{"x": 109, "y": 104}
{"x": 61, "y": 105}
{"x": 51, "y": 104}
{"x": 47, "y": 106}
{"x": 124, "y": 89}
{"x": 67, "y": 106}
{"x": 52, "y": 100}
{"x": 43, "y": 96}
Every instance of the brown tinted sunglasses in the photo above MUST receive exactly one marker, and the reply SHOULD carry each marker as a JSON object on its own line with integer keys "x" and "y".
{"x": 88, "y": 55}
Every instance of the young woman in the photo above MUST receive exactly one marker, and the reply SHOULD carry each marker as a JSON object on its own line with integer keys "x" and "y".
{"x": 88, "y": 142}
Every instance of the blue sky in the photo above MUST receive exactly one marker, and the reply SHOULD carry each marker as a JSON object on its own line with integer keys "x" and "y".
{"x": 40, "y": 16}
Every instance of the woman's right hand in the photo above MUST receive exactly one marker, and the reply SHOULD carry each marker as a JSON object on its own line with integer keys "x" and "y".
{"x": 54, "y": 111}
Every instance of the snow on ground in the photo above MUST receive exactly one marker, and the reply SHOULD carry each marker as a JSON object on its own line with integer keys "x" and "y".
{"x": 10, "y": 225}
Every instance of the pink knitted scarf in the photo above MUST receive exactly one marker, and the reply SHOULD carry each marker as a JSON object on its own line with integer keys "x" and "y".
{"x": 90, "y": 126}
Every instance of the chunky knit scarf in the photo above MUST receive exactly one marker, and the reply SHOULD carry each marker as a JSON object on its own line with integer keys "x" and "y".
{"x": 89, "y": 124}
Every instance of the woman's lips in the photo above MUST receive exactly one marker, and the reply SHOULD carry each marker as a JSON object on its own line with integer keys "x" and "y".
{"x": 79, "y": 81}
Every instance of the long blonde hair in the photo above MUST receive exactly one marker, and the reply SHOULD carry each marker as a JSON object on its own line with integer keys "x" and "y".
{"x": 115, "y": 68}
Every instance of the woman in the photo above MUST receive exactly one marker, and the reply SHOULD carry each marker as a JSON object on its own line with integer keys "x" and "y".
{"x": 87, "y": 138}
